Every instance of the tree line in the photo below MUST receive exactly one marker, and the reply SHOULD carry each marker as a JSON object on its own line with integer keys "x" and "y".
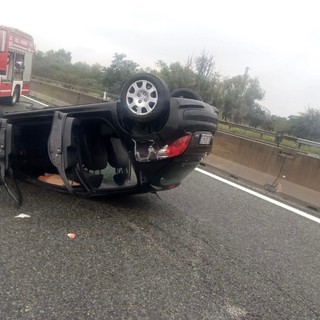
{"x": 237, "y": 98}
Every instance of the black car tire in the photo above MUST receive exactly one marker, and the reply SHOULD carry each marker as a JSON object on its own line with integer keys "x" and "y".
{"x": 144, "y": 97}
{"x": 11, "y": 101}
{"x": 186, "y": 93}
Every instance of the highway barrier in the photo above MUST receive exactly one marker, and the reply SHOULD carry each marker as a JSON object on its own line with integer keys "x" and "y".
{"x": 297, "y": 167}
{"x": 70, "y": 96}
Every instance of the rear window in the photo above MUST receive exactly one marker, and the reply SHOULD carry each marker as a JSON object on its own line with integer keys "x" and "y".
{"x": 3, "y": 38}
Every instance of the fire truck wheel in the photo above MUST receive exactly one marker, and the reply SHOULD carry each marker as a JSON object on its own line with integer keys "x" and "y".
{"x": 15, "y": 97}
{"x": 144, "y": 97}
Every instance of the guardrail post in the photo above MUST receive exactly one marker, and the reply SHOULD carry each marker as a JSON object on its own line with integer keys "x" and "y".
{"x": 78, "y": 98}
{"x": 278, "y": 138}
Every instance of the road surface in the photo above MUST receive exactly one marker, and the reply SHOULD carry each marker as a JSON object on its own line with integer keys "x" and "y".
{"x": 205, "y": 250}
{"x": 209, "y": 249}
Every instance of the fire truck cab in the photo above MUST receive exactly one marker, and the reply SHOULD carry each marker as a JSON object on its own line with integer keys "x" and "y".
{"x": 16, "y": 50}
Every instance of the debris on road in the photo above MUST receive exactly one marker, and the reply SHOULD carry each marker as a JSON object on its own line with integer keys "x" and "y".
{"x": 22, "y": 215}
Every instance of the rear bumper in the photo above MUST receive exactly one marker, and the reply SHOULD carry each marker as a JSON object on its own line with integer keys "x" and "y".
{"x": 186, "y": 117}
{"x": 176, "y": 169}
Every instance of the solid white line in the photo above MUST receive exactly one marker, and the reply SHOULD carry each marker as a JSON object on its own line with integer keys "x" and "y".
{"x": 45, "y": 105}
{"x": 261, "y": 196}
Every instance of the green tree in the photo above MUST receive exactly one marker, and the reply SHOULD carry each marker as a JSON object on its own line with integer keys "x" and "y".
{"x": 176, "y": 75}
{"x": 119, "y": 71}
{"x": 256, "y": 117}
{"x": 207, "y": 79}
{"x": 52, "y": 64}
{"x": 196, "y": 74}
{"x": 240, "y": 95}
{"x": 56, "y": 65}
{"x": 236, "y": 97}
{"x": 281, "y": 124}
{"x": 307, "y": 125}
{"x": 85, "y": 75}
{"x": 61, "y": 56}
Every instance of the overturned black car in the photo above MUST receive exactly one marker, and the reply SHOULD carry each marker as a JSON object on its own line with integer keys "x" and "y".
{"x": 147, "y": 141}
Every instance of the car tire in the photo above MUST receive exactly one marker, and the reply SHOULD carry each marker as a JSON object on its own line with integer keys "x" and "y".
{"x": 186, "y": 93}
{"x": 144, "y": 97}
{"x": 15, "y": 97}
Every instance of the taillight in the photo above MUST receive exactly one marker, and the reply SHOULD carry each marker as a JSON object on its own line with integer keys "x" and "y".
{"x": 175, "y": 149}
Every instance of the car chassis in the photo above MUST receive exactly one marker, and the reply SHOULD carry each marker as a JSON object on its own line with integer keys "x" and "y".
{"x": 147, "y": 141}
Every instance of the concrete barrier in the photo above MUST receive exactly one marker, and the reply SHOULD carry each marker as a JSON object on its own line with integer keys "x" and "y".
{"x": 63, "y": 94}
{"x": 296, "y": 167}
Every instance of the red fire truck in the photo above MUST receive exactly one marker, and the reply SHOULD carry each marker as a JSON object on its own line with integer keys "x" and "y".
{"x": 16, "y": 50}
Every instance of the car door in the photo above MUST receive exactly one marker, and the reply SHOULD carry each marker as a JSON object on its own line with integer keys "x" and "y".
{"x": 6, "y": 172}
{"x": 63, "y": 151}
{"x": 5, "y": 146}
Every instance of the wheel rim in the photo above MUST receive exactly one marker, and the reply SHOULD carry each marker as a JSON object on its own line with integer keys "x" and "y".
{"x": 142, "y": 97}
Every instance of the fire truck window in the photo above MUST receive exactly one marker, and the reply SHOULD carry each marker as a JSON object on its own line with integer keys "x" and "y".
{"x": 3, "y": 37}
{"x": 19, "y": 61}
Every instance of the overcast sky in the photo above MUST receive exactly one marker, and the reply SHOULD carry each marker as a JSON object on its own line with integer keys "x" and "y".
{"x": 278, "y": 40}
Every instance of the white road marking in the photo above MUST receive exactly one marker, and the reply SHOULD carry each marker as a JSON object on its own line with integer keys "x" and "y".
{"x": 45, "y": 105}
{"x": 261, "y": 196}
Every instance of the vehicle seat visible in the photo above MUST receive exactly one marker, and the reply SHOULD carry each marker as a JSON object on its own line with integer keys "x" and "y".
{"x": 118, "y": 158}
{"x": 117, "y": 154}
{"x": 93, "y": 151}
{"x": 93, "y": 155}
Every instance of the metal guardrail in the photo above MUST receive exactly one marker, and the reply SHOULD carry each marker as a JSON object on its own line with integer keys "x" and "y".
{"x": 308, "y": 142}
{"x": 278, "y": 137}
{"x": 260, "y": 131}
{"x": 89, "y": 91}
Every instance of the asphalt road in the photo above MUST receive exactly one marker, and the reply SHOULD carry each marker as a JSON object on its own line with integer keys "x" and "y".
{"x": 206, "y": 250}
{"x": 25, "y": 104}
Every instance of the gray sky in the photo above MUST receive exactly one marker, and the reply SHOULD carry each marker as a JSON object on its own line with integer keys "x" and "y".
{"x": 278, "y": 40}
